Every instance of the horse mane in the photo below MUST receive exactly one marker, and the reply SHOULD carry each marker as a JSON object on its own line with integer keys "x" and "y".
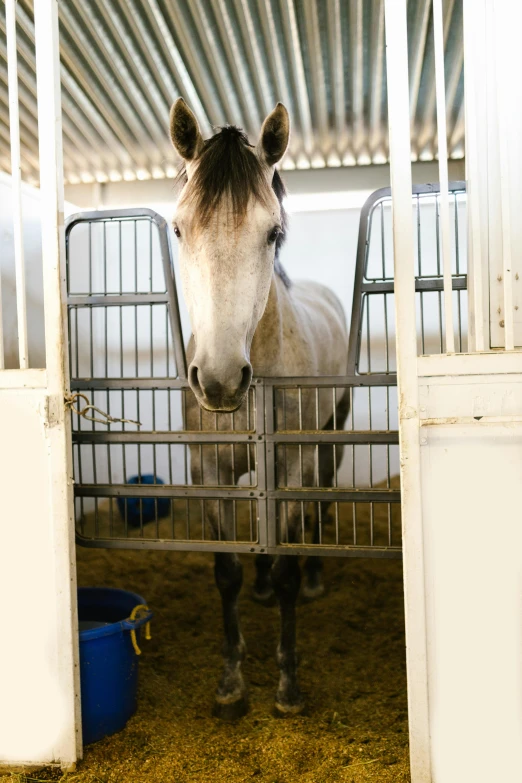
{"x": 227, "y": 167}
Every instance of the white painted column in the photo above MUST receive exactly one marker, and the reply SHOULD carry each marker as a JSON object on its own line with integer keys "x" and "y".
{"x": 39, "y": 671}
{"x": 403, "y": 251}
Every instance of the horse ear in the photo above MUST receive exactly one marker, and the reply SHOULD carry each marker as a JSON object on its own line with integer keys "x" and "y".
{"x": 184, "y": 131}
{"x": 275, "y": 133}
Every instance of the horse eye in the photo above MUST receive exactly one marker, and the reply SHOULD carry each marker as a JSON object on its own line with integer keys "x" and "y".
{"x": 177, "y": 232}
{"x": 274, "y": 233}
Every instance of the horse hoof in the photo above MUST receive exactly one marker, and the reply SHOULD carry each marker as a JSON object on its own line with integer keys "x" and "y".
{"x": 284, "y": 710}
{"x": 265, "y": 597}
{"x": 312, "y": 592}
{"x": 230, "y": 710}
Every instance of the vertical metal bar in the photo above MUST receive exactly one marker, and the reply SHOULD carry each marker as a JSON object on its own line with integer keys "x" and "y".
{"x": 457, "y": 268}
{"x": 76, "y": 347}
{"x": 413, "y": 545}
{"x": 300, "y": 425}
{"x": 173, "y": 306}
{"x": 16, "y": 183}
{"x": 233, "y": 450}
{"x": 370, "y": 455}
{"x": 437, "y": 243}
{"x": 136, "y": 291}
{"x": 440, "y": 88}
{"x": 503, "y": 114}
{"x": 316, "y": 456}
{"x": 473, "y": 168}
{"x": 150, "y": 306}
{"x": 457, "y": 249}
{"x": 80, "y": 477}
{"x": 388, "y": 429}
{"x": 419, "y": 261}
{"x": 383, "y": 245}
{"x": 123, "y": 447}
{"x": 383, "y": 264}
{"x": 138, "y": 417}
{"x": 89, "y": 235}
{"x": 368, "y": 346}
{"x": 91, "y": 358}
{"x": 154, "y": 455}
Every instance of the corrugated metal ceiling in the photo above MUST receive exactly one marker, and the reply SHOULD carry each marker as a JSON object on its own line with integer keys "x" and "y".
{"x": 125, "y": 61}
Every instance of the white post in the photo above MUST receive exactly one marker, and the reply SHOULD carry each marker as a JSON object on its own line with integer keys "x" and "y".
{"x": 16, "y": 174}
{"x": 475, "y": 175}
{"x": 40, "y": 719}
{"x": 403, "y": 248}
{"x": 438, "y": 28}
{"x": 53, "y": 253}
{"x": 505, "y": 110}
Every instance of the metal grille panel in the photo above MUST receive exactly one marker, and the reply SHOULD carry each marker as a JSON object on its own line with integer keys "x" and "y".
{"x": 230, "y": 481}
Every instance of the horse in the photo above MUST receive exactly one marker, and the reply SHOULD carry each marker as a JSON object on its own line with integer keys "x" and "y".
{"x": 248, "y": 318}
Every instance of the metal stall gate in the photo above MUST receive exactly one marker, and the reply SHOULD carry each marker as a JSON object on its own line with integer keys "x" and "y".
{"x": 127, "y": 360}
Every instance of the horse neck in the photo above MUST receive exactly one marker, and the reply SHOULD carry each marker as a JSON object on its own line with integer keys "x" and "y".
{"x": 266, "y": 350}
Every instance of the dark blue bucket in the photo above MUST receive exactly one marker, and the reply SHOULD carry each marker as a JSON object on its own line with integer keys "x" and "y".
{"x": 108, "y": 661}
{"x": 139, "y": 511}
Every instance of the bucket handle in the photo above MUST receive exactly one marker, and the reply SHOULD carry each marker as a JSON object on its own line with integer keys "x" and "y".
{"x": 140, "y": 615}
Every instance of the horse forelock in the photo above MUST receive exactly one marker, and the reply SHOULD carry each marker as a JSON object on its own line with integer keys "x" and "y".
{"x": 227, "y": 167}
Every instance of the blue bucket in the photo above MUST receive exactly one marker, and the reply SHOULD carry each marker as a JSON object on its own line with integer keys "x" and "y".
{"x": 139, "y": 511}
{"x": 108, "y": 660}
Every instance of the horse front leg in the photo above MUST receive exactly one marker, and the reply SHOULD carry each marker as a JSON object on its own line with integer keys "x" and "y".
{"x": 313, "y": 567}
{"x": 286, "y": 580}
{"x": 231, "y": 699}
{"x": 263, "y": 591}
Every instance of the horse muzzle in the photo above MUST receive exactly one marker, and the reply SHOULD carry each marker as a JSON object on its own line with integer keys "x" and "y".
{"x": 218, "y": 393}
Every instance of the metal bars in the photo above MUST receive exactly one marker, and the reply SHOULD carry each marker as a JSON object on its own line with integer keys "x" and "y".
{"x": 293, "y": 447}
{"x": 440, "y": 89}
{"x": 14, "y": 123}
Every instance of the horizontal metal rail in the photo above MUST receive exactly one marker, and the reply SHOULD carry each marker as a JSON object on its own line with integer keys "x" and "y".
{"x": 183, "y": 545}
{"x": 112, "y": 300}
{"x": 421, "y": 284}
{"x": 218, "y": 437}
{"x": 337, "y": 381}
{"x": 174, "y": 491}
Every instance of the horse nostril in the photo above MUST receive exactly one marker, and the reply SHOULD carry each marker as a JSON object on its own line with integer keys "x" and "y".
{"x": 246, "y": 377}
{"x": 194, "y": 379}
